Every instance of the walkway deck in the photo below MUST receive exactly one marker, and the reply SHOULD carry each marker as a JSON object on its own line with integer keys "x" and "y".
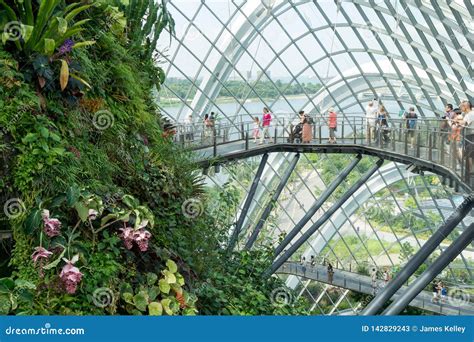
{"x": 363, "y": 284}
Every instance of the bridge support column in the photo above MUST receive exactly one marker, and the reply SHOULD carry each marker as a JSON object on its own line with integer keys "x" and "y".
{"x": 415, "y": 262}
{"x": 432, "y": 271}
{"x": 294, "y": 247}
{"x": 248, "y": 201}
{"x": 272, "y": 202}
{"x": 315, "y": 207}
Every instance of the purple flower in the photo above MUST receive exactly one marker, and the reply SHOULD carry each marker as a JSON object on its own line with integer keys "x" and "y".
{"x": 70, "y": 275}
{"x": 51, "y": 225}
{"x": 40, "y": 253}
{"x": 66, "y": 47}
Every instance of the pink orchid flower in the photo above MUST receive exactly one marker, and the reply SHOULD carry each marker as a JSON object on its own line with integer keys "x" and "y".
{"x": 70, "y": 275}
{"x": 52, "y": 226}
{"x": 127, "y": 236}
{"x": 141, "y": 237}
{"x": 40, "y": 253}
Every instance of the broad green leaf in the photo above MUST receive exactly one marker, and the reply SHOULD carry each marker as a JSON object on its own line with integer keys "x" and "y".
{"x": 180, "y": 279}
{"x": 6, "y": 285}
{"x": 128, "y": 297}
{"x": 49, "y": 46}
{"x": 62, "y": 25}
{"x": 164, "y": 286}
{"x": 30, "y": 137}
{"x": 153, "y": 292}
{"x": 54, "y": 136}
{"x": 170, "y": 277}
{"x": 151, "y": 278}
{"x": 155, "y": 309}
{"x": 33, "y": 221}
{"x": 82, "y": 211}
{"x": 72, "y": 195}
{"x": 130, "y": 201}
{"x": 140, "y": 300}
{"x": 58, "y": 150}
{"x": 44, "y": 132}
{"x": 27, "y": 31}
{"x": 166, "y": 306}
{"x": 171, "y": 266}
{"x": 5, "y": 304}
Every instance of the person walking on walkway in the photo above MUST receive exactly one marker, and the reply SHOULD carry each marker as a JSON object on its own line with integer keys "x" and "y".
{"x": 411, "y": 119}
{"x": 434, "y": 290}
{"x": 386, "y": 277}
{"x": 373, "y": 277}
{"x": 256, "y": 129}
{"x": 313, "y": 261}
{"x": 307, "y": 130}
{"x": 383, "y": 131}
{"x": 266, "y": 121}
{"x": 468, "y": 123}
{"x": 332, "y": 124}
{"x": 370, "y": 118}
{"x": 444, "y": 293}
{"x": 330, "y": 271}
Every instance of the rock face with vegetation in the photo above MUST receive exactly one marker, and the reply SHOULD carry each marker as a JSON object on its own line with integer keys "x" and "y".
{"x": 92, "y": 187}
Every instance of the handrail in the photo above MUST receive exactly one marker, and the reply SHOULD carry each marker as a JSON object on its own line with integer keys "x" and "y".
{"x": 428, "y": 140}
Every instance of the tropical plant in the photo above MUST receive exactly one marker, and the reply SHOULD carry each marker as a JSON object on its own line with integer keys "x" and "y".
{"x": 42, "y": 29}
{"x": 164, "y": 295}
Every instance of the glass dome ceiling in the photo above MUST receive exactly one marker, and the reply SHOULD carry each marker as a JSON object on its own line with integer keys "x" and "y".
{"x": 414, "y": 52}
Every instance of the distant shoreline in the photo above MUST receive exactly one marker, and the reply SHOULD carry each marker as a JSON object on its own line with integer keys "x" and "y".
{"x": 171, "y": 102}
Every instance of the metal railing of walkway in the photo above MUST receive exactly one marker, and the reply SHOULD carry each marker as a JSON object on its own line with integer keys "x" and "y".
{"x": 427, "y": 147}
{"x": 363, "y": 284}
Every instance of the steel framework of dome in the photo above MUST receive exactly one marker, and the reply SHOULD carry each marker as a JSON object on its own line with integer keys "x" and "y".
{"x": 414, "y": 52}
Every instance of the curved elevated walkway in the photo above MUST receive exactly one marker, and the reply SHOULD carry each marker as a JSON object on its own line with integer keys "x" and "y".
{"x": 363, "y": 284}
{"x": 227, "y": 152}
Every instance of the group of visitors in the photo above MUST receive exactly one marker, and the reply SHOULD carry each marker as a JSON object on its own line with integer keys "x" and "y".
{"x": 457, "y": 122}
{"x": 374, "y": 276}
{"x": 261, "y": 128}
{"x": 376, "y": 116}
{"x": 329, "y": 267}
{"x": 440, "y": 291}
{"x": 303, "y": 131}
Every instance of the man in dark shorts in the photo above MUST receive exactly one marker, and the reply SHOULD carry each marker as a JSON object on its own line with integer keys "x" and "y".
{"x": 411, "y": 119}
